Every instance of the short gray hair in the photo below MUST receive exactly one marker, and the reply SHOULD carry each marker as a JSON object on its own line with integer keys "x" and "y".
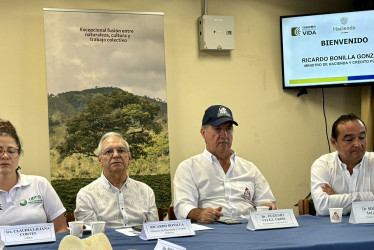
{"x": 99, "y": 149}
{"x": 205, "y": 127}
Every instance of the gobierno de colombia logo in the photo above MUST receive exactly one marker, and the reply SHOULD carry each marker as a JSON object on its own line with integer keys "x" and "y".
{"x": 304, "y": 31}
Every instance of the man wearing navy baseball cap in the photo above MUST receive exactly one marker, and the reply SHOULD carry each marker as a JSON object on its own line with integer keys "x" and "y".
{"x": 218, "y": 114}
{"x": 217, "y": 184}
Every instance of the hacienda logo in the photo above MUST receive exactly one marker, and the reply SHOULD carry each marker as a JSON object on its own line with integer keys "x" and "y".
{"x": 34, "y": 200}
{"x": 344, "y": 28}
{"x": 343, "y": 20}
{"x": 304, "y": 31}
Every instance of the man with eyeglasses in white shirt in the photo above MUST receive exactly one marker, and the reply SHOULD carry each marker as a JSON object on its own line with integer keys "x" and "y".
{"x": 347, "y": 175}
{"x": 218, "y": 184}
{"x": 114, "y": 197}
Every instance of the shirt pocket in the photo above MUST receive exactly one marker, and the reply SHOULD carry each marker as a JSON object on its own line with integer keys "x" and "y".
{"x": 244, "y": 190}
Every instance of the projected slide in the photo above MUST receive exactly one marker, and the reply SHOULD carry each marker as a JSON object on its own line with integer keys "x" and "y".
{"x": 328, "y": 49}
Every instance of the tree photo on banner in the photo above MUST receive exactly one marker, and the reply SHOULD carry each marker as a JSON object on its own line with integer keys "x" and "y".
{"x": 106, "y": 72}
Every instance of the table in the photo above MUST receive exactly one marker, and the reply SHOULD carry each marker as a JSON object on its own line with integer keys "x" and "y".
{"x": 314, "y": 232}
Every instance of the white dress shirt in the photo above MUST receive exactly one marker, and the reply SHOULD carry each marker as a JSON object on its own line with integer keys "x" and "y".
{"x": 200, "y": 182}
{"x": 131, "y": 205}
{"x": 359, "y": 186}
{"x": 31, "y": 201}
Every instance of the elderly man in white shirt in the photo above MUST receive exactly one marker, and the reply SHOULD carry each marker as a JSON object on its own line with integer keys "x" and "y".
{"x": 114, "y": 197}
{"x": 347, "y": 175}
{"x": 217, "y": 184}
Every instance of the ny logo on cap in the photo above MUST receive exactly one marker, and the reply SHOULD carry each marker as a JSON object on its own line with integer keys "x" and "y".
{"x": 223, "y": 112}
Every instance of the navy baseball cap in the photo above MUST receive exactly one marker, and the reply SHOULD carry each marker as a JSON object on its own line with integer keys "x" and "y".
{"x": 217, "y": 114}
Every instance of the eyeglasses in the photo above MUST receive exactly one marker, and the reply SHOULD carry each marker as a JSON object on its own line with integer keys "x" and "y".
{"x": 110, "y": 151}
{"x": 12, "y": 152}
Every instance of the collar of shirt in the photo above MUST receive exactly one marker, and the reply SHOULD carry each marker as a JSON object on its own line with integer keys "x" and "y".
{"x": 213, "y": 159}
{"x": 109, "y": 185}
{"x": 22, "y": 180}
{"x": 351, "y": 180}
{"x": 344, "y": 166}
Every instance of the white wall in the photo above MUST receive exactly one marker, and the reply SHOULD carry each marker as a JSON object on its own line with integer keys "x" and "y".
{"x": 281, "y": 133}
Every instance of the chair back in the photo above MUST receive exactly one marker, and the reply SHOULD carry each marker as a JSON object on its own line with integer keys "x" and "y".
{"x": 160, "y": 214}
{"x": 306, "y": 206}
{"x": 171, "y": 213}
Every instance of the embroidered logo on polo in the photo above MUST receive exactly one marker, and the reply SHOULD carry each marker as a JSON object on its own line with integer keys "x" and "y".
{"x": 1, "y": 207}
{"x": 34, "y": 200}
{"x": 247, "y": 194}
{"x": 223, "y": 112}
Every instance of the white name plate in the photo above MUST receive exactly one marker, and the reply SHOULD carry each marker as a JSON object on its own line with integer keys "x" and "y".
{"x": 163, "y": 244}
{"x": 166, "y": 229}
{"x": 27, "y": 234}
{"x": 362, "y": 212}
{"x": 270, "y": 219}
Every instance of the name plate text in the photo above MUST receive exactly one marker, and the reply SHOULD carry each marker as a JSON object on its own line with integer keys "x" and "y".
{"x": 166, "y": 229}
{"x": 27, "y": 234}
{"x": 270, "y": 219}
{"x": 362, "y": 212}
